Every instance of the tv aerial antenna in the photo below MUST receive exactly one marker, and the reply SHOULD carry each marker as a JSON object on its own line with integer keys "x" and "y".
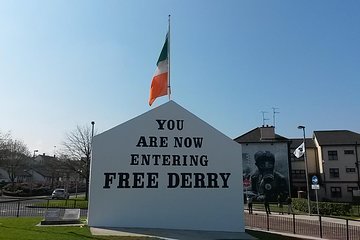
{"x": 274, "y": 113}
{"x": 263, "y": 117}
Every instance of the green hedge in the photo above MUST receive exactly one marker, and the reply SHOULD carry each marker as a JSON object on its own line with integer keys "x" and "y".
{"x": 23, "y": 190}
{"x": 325, "y": 208}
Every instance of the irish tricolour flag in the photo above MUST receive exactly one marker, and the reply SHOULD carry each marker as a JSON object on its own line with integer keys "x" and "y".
{"x": 159, "y": 83}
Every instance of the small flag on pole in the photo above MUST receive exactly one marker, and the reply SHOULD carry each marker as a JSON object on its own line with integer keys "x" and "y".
{"x": 159, "y": 83}
{"x": 299, "y": 151}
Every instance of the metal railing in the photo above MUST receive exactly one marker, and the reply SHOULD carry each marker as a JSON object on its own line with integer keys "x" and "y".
{"x": 37, "y": 207}
{"x": 315, "y": 226}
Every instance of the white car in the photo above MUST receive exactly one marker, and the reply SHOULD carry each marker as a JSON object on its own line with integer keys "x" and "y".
{"x": 59, "y": 193}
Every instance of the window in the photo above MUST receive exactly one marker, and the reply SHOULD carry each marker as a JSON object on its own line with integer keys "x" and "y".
{"x": 350, "y": 170}
{"x": 351, "y": 189}
{"x": 298, "y": 174}
{"x": 335, "y": 192}
{"x": 348, "y": 151}
{"x": 334, "y": 172}
{"x": 332, "y": 155}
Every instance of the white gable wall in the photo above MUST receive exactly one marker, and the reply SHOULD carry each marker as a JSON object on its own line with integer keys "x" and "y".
{"x": 217, "y": 206}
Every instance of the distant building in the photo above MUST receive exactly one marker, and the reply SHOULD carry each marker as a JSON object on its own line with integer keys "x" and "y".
{"x": 47, "y": 171}
{"x": 338, "y": 152}
{"x": 44, "y": 159}
{"x": 21, "y": 175}
{"x": 4, "y": 176}
{"x": 265, "y": 163}
{"x": 332, "y": 156}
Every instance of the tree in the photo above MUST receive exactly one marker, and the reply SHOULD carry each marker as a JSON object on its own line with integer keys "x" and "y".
{"x": 4, "y": 138}
{"x": 77, "y": 146}
{"x": 13, "y": 155}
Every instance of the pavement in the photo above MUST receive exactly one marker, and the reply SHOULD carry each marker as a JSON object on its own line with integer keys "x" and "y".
{"x": 296, "y": 236}
{"x": 169, "y": 234}
{"x": 173, "y": 234}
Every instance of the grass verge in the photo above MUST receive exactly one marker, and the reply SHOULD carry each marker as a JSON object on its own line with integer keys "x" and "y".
{"x": 25, "y": 228}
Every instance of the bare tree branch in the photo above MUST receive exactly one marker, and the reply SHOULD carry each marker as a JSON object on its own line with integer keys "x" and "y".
{"x": 13, "y": 155}
{"x": 77, "y": 148}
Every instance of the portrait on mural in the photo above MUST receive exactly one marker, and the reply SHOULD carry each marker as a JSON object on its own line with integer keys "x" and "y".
{"x": 268, "y": 178}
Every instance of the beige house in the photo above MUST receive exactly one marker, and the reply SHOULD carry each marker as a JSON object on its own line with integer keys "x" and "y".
{"x": 338, "y": 163}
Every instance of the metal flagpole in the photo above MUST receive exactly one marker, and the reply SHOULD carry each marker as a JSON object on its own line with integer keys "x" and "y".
{"x": 307, "y": 175}
{"x": 168, "y": 46}
{"x": 306, "y": 171}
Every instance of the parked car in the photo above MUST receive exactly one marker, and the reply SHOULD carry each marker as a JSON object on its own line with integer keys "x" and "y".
{"x": 59, "y": 193}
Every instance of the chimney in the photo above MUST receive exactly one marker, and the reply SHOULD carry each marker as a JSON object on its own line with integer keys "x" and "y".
{"x": 267, "y": 133}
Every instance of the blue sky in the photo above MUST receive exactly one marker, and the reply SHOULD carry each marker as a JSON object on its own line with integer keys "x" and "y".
{"x": 67, "y": 63}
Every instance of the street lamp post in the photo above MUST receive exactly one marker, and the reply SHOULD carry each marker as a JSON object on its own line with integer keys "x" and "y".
{"x": 88, "y": 160}
{"x": 32, "y": 172}
{"x": 92, "y": 130}
{"x": 92, "y": 136}
{"x": 306, "y": 171}
{"x": 35, "y": 151}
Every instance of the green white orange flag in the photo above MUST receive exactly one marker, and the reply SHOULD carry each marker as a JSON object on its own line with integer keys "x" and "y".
{"x": 159, "y": 83}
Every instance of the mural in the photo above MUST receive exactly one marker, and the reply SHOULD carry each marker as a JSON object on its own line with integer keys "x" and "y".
{"x": 266, "y": 172}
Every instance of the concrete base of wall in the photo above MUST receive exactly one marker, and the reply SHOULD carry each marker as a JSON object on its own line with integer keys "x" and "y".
{"x": 170, "y": 234}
